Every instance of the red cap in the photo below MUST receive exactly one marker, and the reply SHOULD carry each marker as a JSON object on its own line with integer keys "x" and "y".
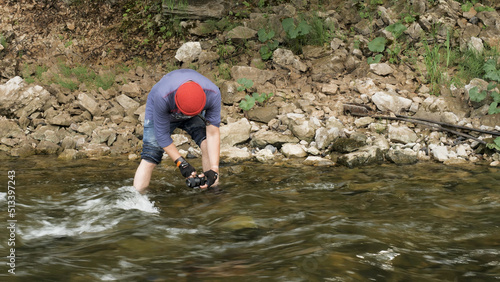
{"x": 190, "y": 98}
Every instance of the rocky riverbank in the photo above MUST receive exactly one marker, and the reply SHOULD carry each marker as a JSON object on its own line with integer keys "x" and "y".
{"x": 305, "y": 120}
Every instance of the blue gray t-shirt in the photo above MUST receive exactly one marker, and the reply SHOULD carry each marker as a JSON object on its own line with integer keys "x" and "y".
{"x": 161, "y": 108}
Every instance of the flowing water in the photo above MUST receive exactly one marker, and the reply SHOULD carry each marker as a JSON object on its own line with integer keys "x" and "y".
{"x": 83, "y": 221}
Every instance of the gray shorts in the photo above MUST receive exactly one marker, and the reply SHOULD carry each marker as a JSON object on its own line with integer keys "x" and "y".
{"x": 153, "y": 153}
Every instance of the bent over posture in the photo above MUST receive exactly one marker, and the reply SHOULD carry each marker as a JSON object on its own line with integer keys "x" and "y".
{"x": 181, "y": 99}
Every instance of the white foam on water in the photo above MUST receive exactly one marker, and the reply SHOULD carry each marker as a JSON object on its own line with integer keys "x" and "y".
{"x": 126, "y": 198}
{"x": 94, "y": 212}
{"x": 135, "y": 200}
{"x": 382, "y": 259}
{"x": 176, "y": 233}
{"x": 3, "y": 197}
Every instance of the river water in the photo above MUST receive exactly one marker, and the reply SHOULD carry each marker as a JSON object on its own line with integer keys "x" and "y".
{"x": 83, "y": 221}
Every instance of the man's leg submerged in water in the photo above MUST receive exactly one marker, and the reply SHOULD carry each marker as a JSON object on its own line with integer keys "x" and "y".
{"x": 143, "y": 175}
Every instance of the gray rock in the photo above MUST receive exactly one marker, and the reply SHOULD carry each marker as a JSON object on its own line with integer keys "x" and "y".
{"x": 262, "y": 114}
{"x": 318, "y": 161}
{"x": 61, "y": 119}
{"x": 301, "y": 127}
{"x": 405, "y": 156}
{"x": 265, "y": 156}
{"x": 129, "y": 104}
{"x": 402, "y": 134}
{"x": 286, "y": 59}
{"x": 188, "y": 52}
{"x": 346, "y": 145}
{"x": 262, "y": 138}
{"x": 293, "y": 150}
{"x": 47, "y": 148}
{"x": 366, "y": 156}
{"x": 324, "y": 136}
{"x": 386, "y": 101}
{"x": 230, "y": 94}
{"x": 256, "y": 75}
{"x": 131, "y": 89}
{"x": 241, "y": 33}
{"x": 70, "y": 154}
{"x": 10, "y": 129}
{"x": 202, "y": 9}
{"x": 88, "y": 103}
{"x": 234, "y": 155}
{"x": 382, "y": 69}
{"x": 18, "y": 100}
{"x": 25, "y": 150}
{"x": 235, "y": 133}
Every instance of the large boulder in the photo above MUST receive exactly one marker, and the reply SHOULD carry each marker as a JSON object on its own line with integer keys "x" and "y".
{"x": 263, "y": 137}
{"x": 188, "y": 52}
{"x": 256, "y": 75}
{"x": 235, "y": 133}
{"x": 388, "y": 101}
{"x": 19, "y": 100}
{"x": 302, "y": 127}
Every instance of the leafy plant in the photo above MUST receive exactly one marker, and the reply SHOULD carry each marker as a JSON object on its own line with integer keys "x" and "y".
{"x": 491, "y": 72}
{"x": 478, "y": 96}
{"x": 3, "y": 41}
{"x": 482, "y": 9}
{"x": 376, "y": 45}
{"x": 249, "y": 101}
{"x": 495, "y": 144}
{"x": 245, "y": 84}
{"x": 266, "y": 51}
{"x": 293, "y": 30}
{"x": 396, "y": 29}
{"x": 322, "y": 31}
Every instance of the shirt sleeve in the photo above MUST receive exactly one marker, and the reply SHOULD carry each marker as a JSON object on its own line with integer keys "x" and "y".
{"x": 213, "y": 108}
{"x": 162, "y": 122}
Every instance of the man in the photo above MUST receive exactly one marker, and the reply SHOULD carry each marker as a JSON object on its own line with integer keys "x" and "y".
{"x": 181, "y": 99}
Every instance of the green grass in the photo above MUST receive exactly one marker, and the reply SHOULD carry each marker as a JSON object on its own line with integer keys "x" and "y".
{"x": 3, "y": 40}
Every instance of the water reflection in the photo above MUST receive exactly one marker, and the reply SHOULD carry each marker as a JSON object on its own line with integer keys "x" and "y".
{"x": 83, "y": 221}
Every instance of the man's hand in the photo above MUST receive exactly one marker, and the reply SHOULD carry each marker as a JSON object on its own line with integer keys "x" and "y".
{"x": 211, "y": 177}
{"x": 186, "y": 169}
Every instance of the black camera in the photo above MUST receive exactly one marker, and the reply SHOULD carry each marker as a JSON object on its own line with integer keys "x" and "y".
{"x": 196, "y": 182}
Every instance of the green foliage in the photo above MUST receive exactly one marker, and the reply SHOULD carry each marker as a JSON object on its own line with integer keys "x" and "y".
{"x": 266, "y": 51}
{"x": 249, "y": 101}
{"x": 3, "y": 40}
{"x": 376, "y": 45}
{"x": 245, "y": 84}
{"x": 396, "y": 29}
{"x": 470, "y": 65}
{"x": 264, "y": 35}
{"x": 322, "y": 32}
{"x": 30, "y": 73}
{"x": 482, "y": 9}
{"x": 477, "y": 96}
{"x": 292, "y": 30}
{"x": 175, "y": 4}
{"x": 262, "y": 97}
{"x": 495, "y": 144}
{"x": 307, "y": 29}
{"x": 375, "y": 60}
{"x": 71, "y": 77}
{"x": 491, "y": 72}
{"x": 467, "y": 6}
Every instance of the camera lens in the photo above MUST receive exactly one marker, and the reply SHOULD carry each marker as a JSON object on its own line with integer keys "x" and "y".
{"x": 195, "y": 182}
